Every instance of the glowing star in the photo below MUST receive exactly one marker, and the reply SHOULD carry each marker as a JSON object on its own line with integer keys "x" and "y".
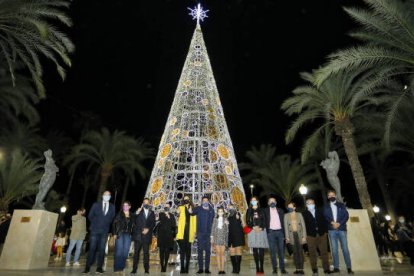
{"x": 198, "y": 13}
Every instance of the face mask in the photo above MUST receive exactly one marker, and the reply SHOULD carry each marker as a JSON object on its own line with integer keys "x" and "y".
{"x": 186, "y": 201}
{"x": 166, "y": 209}
{"x": 232, "y": 212}
{"x": 146, "y": 206}
{"x": 272, "y": 205}
{"x": 205, "y": 204}
{"x": 253, "y": 203}
{"x": 401, "y": 220}
{"x": 332, "y": 199}
{"x": 290, "y": 210}
{"x": 106, "y": 198}
{"x": 311, "y": 206}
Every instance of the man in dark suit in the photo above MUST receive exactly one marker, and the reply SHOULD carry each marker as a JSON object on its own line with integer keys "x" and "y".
{"x": 336, "y": 216}
{"x": 275, "y": 234}
{"x": 317, "y": 236}
{"x": 142, "y": 235}
{"x": 100, "y": 216}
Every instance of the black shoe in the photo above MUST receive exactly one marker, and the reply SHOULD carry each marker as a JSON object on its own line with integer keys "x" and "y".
{"x": 134, "y": 272}
{"x": 336, "y": 270}
{"x": 350, "y": 271}
{"x": 146, "y": 272}
{"x": 207, "y": 271}
{"x": 327, "y": 271}
{"x": 283, "y": 271}
{"x": 296, "y": 272}
{"x": 274, "y": 271}
{"x": 238, "y": 263}
{"x": 99, "y": 270}
{"x": 200, "y": 271}
{"x": 182, "y": 271}
{"x": 86, "y": 271}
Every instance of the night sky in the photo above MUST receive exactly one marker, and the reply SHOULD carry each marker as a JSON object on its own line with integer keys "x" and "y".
{"x": 129, "y": 56}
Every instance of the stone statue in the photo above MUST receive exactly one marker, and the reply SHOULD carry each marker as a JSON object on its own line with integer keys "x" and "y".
{"x": 331, "y": 165}
{"x": 47, "y": 180}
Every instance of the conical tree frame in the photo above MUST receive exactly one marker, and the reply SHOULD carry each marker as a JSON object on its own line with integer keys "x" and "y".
{"x": 196, "y": 155}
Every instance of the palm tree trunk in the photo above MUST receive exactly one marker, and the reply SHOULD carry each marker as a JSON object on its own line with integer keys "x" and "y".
{"x": 345, "y": 130}
{"x": 105, "y": 174}
{"x": 389, "y": 204}
{"x": 85, "y": 192}
{"x": 125, "y": 191}
{"x": 320, "y": 182}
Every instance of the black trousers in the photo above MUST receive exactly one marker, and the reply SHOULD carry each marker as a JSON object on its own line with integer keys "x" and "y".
{"x": 185, "y": 253}
{"x": 138, "y": 245}
{"x": 164, "y": 256}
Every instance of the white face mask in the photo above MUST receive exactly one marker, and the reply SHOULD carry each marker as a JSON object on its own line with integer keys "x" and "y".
{"x": 401, "y": 220}
{"x": 106, "y": 198}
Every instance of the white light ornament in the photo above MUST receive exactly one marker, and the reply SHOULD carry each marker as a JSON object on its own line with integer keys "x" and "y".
{"x": 198, "y": 13}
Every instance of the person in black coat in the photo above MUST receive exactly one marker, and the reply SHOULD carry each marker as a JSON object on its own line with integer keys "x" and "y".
{"x": 317, "y": 235}
{"x": 236, "y": 237}
{"x": 100, "y": 216}
{"x": 166, "y": 230}
{"x": 142, "y": 234}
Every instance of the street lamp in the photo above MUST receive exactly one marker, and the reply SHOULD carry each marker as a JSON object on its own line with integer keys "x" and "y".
{"x": 303, "y": 190}
{"x": 63, "y": 209}
{"x": 387, "y": 217}
{"x": 251, "y": 189}
{"x": 376, "y": 209}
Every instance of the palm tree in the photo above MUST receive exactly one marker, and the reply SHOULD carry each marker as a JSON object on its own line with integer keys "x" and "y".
{"x": 24, "y": 137}
{"x": 106, "y": 152}
{"x": 17, "y": 100}
{"x": 28, "y": 33}
{"x": 333, "y": 105}
{"x": 283, "y": 177}
{"x": 257, "y": 158}
{"x": 19, "y": 177}
{"x": 86, "y": 183}
{"x": 387, "y": 34}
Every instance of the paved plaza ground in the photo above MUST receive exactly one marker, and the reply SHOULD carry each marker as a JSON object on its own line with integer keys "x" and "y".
{"x": 395, "y": 266}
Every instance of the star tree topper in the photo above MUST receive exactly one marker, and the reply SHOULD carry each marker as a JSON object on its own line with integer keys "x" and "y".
{"x": 198, "y": 13}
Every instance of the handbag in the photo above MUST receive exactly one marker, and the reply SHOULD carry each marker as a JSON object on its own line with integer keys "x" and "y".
{"x": 247, "y": 229}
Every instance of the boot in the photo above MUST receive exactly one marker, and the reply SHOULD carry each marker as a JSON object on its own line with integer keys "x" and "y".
{"x": 238, "y": 263}
{"x": 233, "y": 263}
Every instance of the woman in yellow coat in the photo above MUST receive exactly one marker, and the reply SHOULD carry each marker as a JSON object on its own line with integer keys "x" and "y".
{"x": 187, "y": 225}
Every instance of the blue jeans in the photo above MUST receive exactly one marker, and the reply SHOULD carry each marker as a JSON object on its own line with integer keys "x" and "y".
{"x": 203, "y": 245}
{"x": 72, "y": 244}
{"x": 276, "y": 240}
{"x": 122, "y": 245}
{"x": 97, "y": 243}
{"x": 335, "y": 236}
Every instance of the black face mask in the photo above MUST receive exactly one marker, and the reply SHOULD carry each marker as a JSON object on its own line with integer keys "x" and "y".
{"x": 146, "y": 206}
{"x": 332, "y": 199}
{"x": 166, "y": 209}
{"x": 272, "y": 205}
{"x": 186, "y": 201}
{"x": 232, "y": 212}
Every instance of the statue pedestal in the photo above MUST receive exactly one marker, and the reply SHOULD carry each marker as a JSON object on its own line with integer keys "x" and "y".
{"x": 29, "y": 240}
{"x": 361, "y": 244}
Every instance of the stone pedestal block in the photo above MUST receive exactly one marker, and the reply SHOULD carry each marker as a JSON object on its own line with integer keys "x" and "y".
{"x": 29, "y": 240}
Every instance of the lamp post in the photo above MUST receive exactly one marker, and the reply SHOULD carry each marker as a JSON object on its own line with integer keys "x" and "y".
{"x": 251, "y": 189}
{"x": 387, "y": 217}
{"x": 303, "y": 190}
{"x": 376, "y": 209}
{"x": 62, "y": 212}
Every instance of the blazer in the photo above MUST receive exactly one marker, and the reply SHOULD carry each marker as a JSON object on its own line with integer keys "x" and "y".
{"x": 301, "y": 228}
{"x": 261, "y": 221}
{"x": 142, "y": 222}
{"x": 281, "y": 217}
{"x": 204, "y": 219}
{"x": 100, "y": 222}
{"x": 342, "y": 216}
{"x": 315, "y": 225}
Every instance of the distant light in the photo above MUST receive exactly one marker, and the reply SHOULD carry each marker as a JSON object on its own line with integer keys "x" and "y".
{"x": 387, "y": 217}
{"x": 198, "y": 13}
{"x": 303, "y": 190}
{"x": 251, "y": 186}
{"x": 376, "y": 209}
{"x": 405, "y": 87}
{"x": 63, "y": 209}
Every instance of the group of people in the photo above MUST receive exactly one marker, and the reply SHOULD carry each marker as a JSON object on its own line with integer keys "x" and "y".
{"x": 224, "y": 228}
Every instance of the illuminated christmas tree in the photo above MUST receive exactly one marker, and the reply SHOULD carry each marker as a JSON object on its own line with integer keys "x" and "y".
{"x": 196, "y": 155}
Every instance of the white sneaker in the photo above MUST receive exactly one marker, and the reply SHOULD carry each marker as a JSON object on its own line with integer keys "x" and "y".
{"x": 57, "y": 259}
{"x": 67, "y": 264}
{"x": 76, "y": 264}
